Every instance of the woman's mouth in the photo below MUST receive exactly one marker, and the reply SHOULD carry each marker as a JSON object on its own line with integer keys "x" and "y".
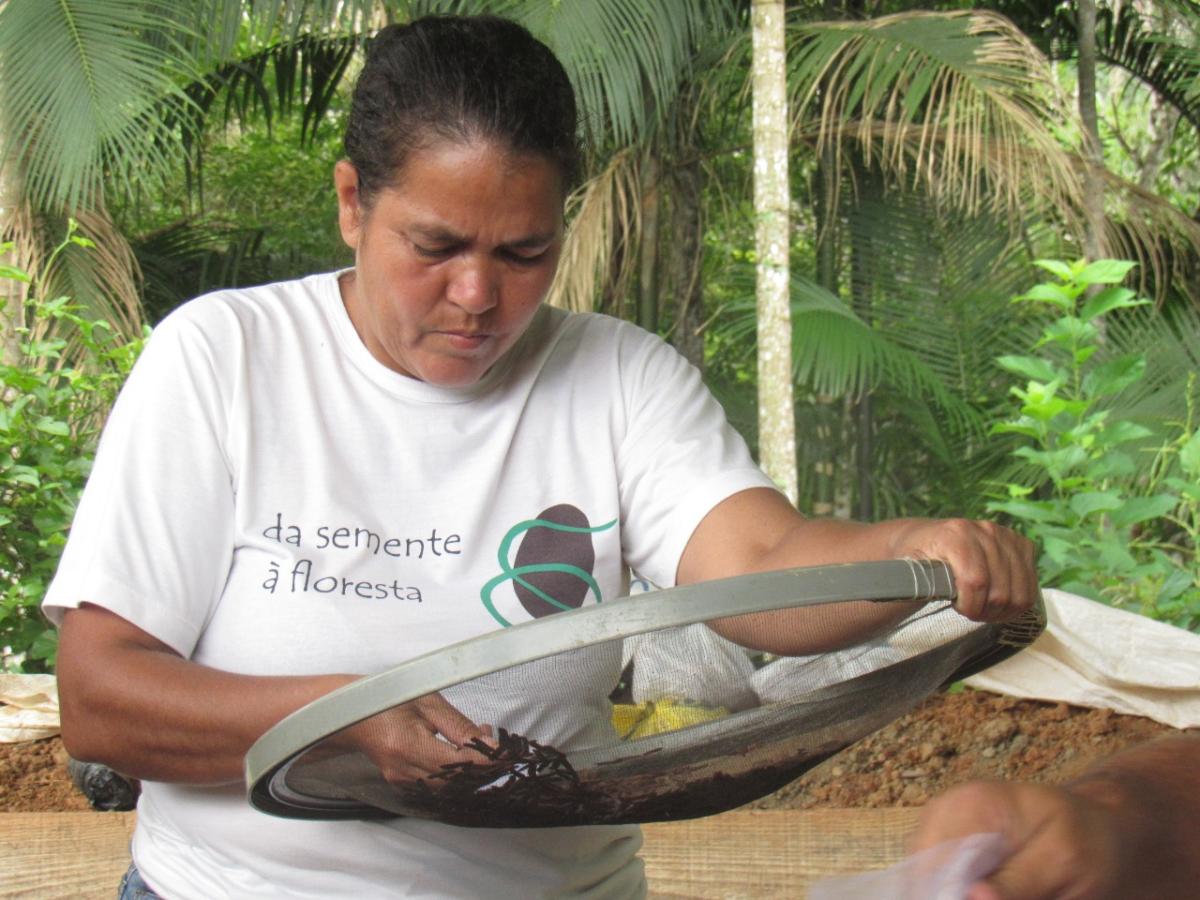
{"x": 466, "y": 340}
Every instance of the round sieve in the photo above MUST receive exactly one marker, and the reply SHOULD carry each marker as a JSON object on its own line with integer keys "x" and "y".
{"x": 634, "y": 710}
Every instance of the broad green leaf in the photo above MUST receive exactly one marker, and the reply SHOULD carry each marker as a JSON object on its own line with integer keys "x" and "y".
{"x": 1027, "y": 510}
{"x": 1114, "y": 376}
{"x": 1057, "y": 549}
{"x": 1105, "y": 271}
{"x": 1069, "y": 331}
{"x": 1113, "y": 464}
{"x": 1117, "y": 558}
{"x": 53, "y": 426}
{"x": 1027, "y": 429}
{"x": 1189, "y": 456}
{"x": 1032, "y": 367}
{"x": 13, "y": 274}
{"x": 24, "y": 475}
{"x": 1140, "y": 509}
{"x": 1124, "y": 431}
{"x": 1056, "y": 267}
{"x": 1175, "y": 584}
{"x": 1057, "y": 462}
{"x": 1050, "y": 293}
{"x": 1095, "y": 501}
{"x": 1189, "y": 488}
{"x": 1107, "y": 300}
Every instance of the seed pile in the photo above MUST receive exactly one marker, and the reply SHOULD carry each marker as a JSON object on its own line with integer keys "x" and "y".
{"x": 517, "y": 768}
{"x": 519, "y": 782}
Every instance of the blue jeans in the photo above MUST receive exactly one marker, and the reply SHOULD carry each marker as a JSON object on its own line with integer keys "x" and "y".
{"x": 134, "y": 888}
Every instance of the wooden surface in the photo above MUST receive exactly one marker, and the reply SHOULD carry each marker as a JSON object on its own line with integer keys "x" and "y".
{"x": 752, "y": 855}
{"x": 47, "y": 856}
{"x": 776, "y": 854}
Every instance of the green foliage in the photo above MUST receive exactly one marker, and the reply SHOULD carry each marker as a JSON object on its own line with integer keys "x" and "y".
{"x": 1107, "y": 526}
{"x": 53, "y": 399}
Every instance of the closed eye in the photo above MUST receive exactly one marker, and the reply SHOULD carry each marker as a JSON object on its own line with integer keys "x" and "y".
{"x": 433, "y": 252}
{"x": 524, "y": 257}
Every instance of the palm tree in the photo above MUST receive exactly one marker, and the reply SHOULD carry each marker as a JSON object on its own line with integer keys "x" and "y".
{"x": 70, "y": 136}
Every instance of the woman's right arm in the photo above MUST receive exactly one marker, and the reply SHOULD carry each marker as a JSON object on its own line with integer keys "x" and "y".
{"x": 129, "y": 701}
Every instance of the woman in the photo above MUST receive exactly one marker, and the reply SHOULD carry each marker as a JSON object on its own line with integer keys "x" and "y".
{"x": 307, "y": 482}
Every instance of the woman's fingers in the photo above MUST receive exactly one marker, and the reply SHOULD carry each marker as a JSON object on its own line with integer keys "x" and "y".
{"x": 417, "y": 739}
{"x": 994, "y": 567}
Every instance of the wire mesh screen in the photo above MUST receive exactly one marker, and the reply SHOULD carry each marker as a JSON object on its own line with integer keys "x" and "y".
{"x": 671, "y": 723}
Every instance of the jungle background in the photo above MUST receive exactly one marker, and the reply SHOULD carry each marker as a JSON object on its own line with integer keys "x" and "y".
{"x": 994, "y": 241}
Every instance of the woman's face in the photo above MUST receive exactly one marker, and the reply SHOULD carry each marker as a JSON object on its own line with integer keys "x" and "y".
{"x": 452, "y": 260}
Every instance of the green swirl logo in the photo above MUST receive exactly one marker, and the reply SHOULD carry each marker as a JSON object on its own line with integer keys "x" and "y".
{"x": 552, "y": 569}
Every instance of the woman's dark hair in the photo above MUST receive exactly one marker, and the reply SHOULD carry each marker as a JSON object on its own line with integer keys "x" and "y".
{"x": 460, "y": 79}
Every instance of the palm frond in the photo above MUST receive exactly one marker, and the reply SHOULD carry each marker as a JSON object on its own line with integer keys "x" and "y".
{"x": 836, "y": 353}
{"x": 962, "y": 99}
{"x": 78, "y": 82}
{"x": 1148, "y": 229}
{"x": 1174, "y": 336}
{"x": 626, "y": 58}
{"x": 605, "y": 223}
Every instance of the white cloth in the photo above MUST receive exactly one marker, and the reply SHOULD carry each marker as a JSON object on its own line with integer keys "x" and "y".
{"x": 268, "y": 499}
{"x": 1105, "y": 658}
{"x": 28, "y": 708}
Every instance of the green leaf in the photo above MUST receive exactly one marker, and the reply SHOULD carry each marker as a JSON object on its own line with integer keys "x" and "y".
{"x": 1069, "y": 331}
{"x": 1113, "y": 464}
{"x": 13, "y": 274}
{"x": 1026, "y": 510}
{"x": 1050, "y": 293}
{"x": 1022, "y": 427}
{"x": 1116, "y": 558}
{"x": 1057, "y": 549}
{"x": 1189, "y": 456}
{"x": 1056, "y": 267}
{"x": 1189, "y": 489}
{"x": 1141, "y": 509}
{"x": 1108, "y": 300}
{"x": 1124, "y": 431}
{"x": 1086, "y": 503}
{"x": 1031, "y": 367}
{"x": 1112, "y": 377}
{"x": 24, "y": 475}
{"x": 53, "y": 426}
{"x": 1105, "y": 271}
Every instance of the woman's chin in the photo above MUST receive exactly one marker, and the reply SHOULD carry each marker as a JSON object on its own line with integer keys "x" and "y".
{"x": 454, "y": 373}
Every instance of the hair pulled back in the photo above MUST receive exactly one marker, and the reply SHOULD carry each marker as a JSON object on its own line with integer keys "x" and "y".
{"x": 458, "y": 78}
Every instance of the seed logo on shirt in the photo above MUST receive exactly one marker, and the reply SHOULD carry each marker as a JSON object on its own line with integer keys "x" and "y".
{"x": 552, "y": 570}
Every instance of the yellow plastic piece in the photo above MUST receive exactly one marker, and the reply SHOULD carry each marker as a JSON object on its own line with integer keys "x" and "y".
{"x": 659, "y": 716}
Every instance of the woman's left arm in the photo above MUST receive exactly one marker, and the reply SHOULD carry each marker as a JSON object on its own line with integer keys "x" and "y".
{"x": 757, "y": 530}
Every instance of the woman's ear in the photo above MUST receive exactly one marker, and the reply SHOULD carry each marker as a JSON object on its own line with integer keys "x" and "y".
{"x": 350, "y": 207}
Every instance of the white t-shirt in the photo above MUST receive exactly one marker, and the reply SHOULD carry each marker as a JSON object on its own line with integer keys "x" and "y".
{"x": 269, "y": 499}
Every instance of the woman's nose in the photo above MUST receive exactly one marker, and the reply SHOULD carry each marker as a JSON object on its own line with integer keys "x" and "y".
{"x": 473, "y": 286}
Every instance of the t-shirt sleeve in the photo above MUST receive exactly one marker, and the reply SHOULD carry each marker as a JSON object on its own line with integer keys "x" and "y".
{"x": 152, "y": 536}
{"x": 678, "y": 459}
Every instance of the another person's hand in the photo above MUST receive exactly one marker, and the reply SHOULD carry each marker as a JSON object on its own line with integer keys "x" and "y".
{"x": 1060, "y": 844}
{"x": 995, "y": 569}
{"x": 416, "y": 739}
{"x": 1125, "y": 830}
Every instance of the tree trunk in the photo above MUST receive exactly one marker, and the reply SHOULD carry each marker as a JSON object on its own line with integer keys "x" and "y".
{"x": 647, "y": 315}
{"x": 12, "y": 292}
{"x": 686, "y": 262}
{"x": 1093, "y": 152}
{"x": 776, "y": 412}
